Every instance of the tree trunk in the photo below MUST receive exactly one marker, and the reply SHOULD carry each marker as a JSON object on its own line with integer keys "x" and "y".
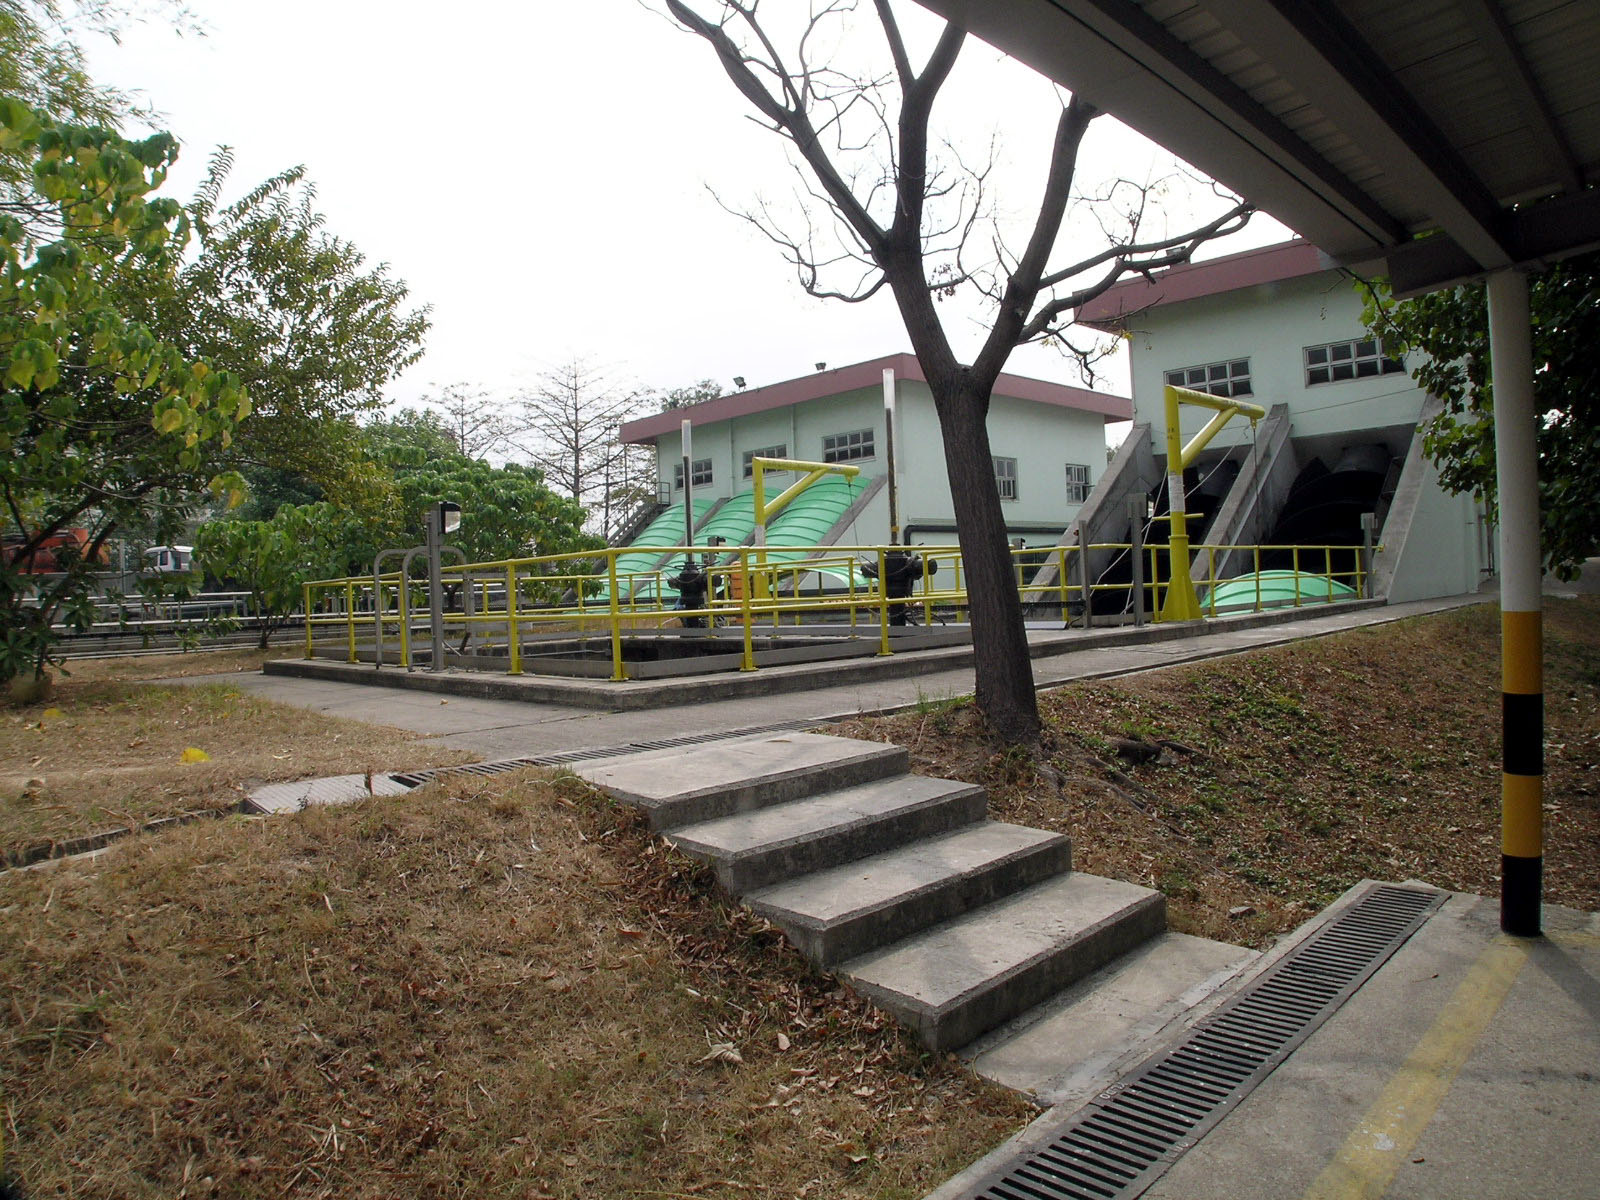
{"x": 999, "y": 639}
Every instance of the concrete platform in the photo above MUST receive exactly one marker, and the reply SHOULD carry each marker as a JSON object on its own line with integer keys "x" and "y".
{"x": 517, "y": 724}
{"x": 1044, "y": 641}
{"x": 1467, "y": 1066}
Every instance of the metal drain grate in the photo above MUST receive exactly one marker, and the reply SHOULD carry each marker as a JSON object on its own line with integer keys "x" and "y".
{"x": 413, "y": 779}
{"x": 1130, "y": 1134}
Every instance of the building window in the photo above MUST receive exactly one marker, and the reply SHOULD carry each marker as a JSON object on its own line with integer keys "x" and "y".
{"x": 1361, "y": 358}
{"x": 1077, "y": 483}
{"x": 847, "y": 447}
{"x": 1216, "y": 379}
{"x": 1005, "y": 477}
{"x": 764, "y": 452}
{"x": 699, "y": 471}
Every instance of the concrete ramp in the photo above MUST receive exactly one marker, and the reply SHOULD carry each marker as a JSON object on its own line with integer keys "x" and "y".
{"x": 1396, "y": 556}
{"x": 1253, "y": 503}
{"x": 1104, "y": 515}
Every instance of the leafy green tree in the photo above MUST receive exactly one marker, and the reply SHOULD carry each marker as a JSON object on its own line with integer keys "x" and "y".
{"x": 506, "y": 512}
{"x": 1447, "y": 335}
{"x": 312, "y": 329}
{"x": 272, "y": 559}
{"x": 97, "y": 413}
{"x": 410, "y": 438}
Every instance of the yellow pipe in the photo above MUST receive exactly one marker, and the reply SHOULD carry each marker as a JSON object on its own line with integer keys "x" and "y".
{"x": 883, "y": 608}
{"x": 405, "y": 624}
{"x": 748, "y": 662}
{"x": 306, "y": 600}
{"x": 617, "y": 673}
{"x": 514, "y": 651}
{"x": 1182, "y": 604}
{"x": 764, "y": 512}
{"x": 350, "y": 619}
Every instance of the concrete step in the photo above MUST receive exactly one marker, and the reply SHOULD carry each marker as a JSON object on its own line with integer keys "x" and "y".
{"x": 754, "y": 849}
{"x": 958, "y": 980}
{"x": 1078, "y": 1043}
{"x": 837, "y": 914}
{"x": 716, "y": 779}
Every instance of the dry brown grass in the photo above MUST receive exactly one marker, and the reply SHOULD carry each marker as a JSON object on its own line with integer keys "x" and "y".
{"x": 108, "y": 754}
{"x": 492, "y": 988}
{"x": 1298, "y": 771}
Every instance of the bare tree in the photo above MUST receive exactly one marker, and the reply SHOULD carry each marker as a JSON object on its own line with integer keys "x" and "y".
{"x": 477, "y": 421}
{"x": 570, "y": 420}
{"x": 914, "y": 222}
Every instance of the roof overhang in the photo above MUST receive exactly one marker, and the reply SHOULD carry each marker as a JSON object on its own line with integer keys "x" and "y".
{"x": 1427, "y": 140}
{"x": 855, "y": 377}
{"x": 1113, "y": 308}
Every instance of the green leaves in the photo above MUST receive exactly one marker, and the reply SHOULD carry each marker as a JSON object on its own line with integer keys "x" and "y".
{"x": 1448, "y": 333}
{"x": 96, "y": 411}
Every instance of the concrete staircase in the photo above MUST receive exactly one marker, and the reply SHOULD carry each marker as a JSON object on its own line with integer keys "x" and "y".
{"x": 955, "y": 924}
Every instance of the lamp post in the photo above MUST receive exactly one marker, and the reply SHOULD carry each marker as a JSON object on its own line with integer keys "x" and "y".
{"x": 444, "y": 517}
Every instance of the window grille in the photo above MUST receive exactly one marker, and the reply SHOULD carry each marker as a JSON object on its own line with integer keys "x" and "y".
{"x": 1359, "y": 358}
{"x": 763, "y": 452}
{"x": 1231, "y": 378}
{"x": 699, "y": 473}
{"x": 1005, "y": 477}
{"x": 1077, "y": 483}
{"x": 847, "y": 447}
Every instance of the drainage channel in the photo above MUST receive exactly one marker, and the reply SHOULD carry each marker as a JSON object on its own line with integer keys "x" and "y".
{"x": 413, "y": 779}
{"x": 1129, "y": 1135}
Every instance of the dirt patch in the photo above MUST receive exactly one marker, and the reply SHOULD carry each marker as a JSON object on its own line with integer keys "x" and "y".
{"x": 1254, "y": 789}
{"x": 492, "y": 988}
{"x": 109, "y": 754}
{"x": 134, "y": 667}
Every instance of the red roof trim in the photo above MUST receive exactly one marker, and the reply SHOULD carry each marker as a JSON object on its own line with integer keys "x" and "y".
{"x": 864, "y": 375}
{"x": 1191, "y": 281}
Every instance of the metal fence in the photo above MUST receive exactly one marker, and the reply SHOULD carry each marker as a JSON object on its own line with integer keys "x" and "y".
{"x": 499, "y": 607}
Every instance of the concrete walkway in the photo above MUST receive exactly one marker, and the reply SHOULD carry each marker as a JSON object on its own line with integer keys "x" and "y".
{"x": 499, "y": 729}
{"x": 1467, "y": 1066}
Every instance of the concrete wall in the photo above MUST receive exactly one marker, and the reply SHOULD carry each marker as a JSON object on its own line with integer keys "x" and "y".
{"x": 1443, "y": 551}
{"x": 1437, "y": 545}
{"x": 1270, "y": 325}
{"x": 1042, "y": 438}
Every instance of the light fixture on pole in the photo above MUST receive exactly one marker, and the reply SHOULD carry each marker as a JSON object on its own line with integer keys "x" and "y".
{"x": 444, "y": 517}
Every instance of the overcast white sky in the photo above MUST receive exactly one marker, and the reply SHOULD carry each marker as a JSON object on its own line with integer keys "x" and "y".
{"x": 537, "y": 172}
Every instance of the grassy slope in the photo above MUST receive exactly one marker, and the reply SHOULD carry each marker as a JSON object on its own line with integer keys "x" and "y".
{"x": 1299, "y": 770}
{"x": 504, "y": 988}
{"x": 499, "y": 990}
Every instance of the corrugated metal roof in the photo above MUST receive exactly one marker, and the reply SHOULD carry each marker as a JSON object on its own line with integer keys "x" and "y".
{"x": 1358, "y": 123}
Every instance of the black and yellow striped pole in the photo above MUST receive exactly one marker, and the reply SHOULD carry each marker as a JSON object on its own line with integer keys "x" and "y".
{"x": 1521, "y": 631}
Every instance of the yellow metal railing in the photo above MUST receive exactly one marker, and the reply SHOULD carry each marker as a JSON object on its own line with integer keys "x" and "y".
{"x": 503, "y": 604}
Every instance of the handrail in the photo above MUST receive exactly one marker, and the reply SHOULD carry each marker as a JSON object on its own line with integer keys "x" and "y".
{"x": 821, "y": 583}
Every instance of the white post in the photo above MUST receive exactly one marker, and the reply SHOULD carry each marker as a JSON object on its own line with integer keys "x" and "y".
{"x": 688, "y": 484}
{"x": 888, "y": 432}
{"x": 1521, "y": 579}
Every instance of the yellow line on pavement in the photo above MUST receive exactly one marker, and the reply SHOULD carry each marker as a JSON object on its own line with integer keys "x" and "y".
{"x": 1370, "y": 1156}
